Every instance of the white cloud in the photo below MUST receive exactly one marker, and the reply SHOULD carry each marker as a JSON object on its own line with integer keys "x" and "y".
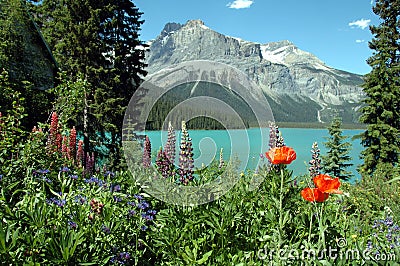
{"x": 238, "y": 4}
{"x": 360, "y": 41}
{"x": 361, "y": 23}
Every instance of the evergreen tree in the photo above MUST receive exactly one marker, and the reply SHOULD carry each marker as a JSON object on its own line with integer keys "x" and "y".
{"x": 337, "y": 159}
{"x": 381, "y": 112}
{"x": 99, "y": 41}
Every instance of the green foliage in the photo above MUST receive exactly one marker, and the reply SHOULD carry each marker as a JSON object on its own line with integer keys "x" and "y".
{"x": 97, "y": 43}
{"x": 24, "y": 56}
{"x": 211, "y": 117}
{"x": 381, "y": 111}
{"x": 337, "y": 158}
{"x": 69, "y": 104}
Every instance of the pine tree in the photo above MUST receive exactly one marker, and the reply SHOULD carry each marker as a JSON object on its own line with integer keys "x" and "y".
{"x": 337, "y": 159}
{"x": 381, "y": 112}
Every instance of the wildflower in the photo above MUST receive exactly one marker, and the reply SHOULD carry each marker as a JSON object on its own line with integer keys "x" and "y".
{"x": 81, "y": 199}
{"x": 117, "y": 199}
{"x": 281, "y": 155}
{"x": 80, "y": 153}
{"x": 131, "y": 213}
{"x": 72, "y": 143}
{"x": 314, "y": 194}
{"x": 75, "y": 177}
{"x": 106, "y": 229}
{"x": 137, "y": 196}
{"x": 1, "y": 177}
{"x": 115, "y": 188}
{"x": 109, "y": 174}
{"x": 56, "y": 201}
{"x": 315, "y": 162}
{"x": 52, "y": 141}
{"x": 72, "y": 224}
{"x": 64, "y": 169}
{"x": 163, "y": 164}
{"x": 327, "y": 184}
{"x": 143, "y": 228}
{"x": 221, "y": 158}
{"x": 146, "y": 153}
{"x": 90, "y": 163}
{"x": 185, "y": 157}
{"x": 143, "y": 205}
{"x": 96, "y": 206}
{"x": 64, "y": 147}
{"x": 170, "y": 145}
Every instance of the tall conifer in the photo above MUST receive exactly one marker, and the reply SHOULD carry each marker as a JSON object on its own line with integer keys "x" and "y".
{"x": 381, "y": 112}
{"x": 337, "y": 158}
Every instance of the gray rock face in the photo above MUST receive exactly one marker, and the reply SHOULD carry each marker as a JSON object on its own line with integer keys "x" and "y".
{"x": 282, "y": 71}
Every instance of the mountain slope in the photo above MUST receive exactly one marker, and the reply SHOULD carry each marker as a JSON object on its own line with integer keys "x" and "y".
{"x": 299, "y": 86}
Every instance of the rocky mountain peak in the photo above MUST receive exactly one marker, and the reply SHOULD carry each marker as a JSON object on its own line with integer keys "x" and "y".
{"x": 194, "y": 23}
{"x": 280, "y": 68}
{"x": 170, "y": 27}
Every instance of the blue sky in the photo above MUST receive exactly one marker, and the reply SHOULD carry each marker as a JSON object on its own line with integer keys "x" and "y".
{"x": 337, "y": 31}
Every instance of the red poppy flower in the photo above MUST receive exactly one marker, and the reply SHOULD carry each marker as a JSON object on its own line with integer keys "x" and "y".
{"x": 327, "y": 184}
{"x": 314, "y": 194}
{"x": 281, "y": 155}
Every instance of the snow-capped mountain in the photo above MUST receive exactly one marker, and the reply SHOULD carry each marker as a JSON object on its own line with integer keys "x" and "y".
{"x": 299, "y": 86}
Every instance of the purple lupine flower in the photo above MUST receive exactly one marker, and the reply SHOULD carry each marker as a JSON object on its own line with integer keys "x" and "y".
{"x": 275, "y": 136}
{"x": 315, "y": 162}
{"x": 146, "y": 153}
{"x": 170, "y": 145}
{"x": 186, "y": 162}
{"x": 164, "y": 165}
{"x": 90, "y": 163}
{"x": 272, "y": 135}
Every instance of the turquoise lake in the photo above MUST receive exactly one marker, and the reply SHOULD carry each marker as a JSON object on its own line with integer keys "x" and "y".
{"x": 247, "y": 145}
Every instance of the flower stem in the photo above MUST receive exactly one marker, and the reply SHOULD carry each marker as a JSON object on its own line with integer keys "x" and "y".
{"x": 280, "y": 205}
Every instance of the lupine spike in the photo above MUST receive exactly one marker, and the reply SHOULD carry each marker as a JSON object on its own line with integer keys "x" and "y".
{"x": 80, "y": 153}
{"x": 59, "y": 141}
{"x": 72, "y": 143}
{"x": 54, "y": 139}
{"x": 64, "y": 149}
{"x": 315, "y": 162}
{"x": 147, "y": 153}
{"x": 171, "y": 142}
{"x": 221, "y": 158}
{"x": 163, "y": 164}
{"x": 272, "y": 135}
{"x": 186, "y": 162}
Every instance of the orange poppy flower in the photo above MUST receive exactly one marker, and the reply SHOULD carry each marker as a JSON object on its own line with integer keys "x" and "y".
{"x": 327, "y": 184}
{"x": 281, "y": 155}
{"x": 314, "y": 194}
